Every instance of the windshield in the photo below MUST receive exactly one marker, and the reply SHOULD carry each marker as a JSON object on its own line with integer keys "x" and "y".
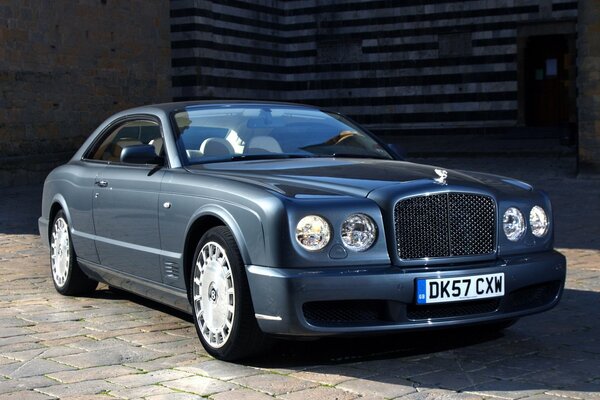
{"x": 215, "y": 134}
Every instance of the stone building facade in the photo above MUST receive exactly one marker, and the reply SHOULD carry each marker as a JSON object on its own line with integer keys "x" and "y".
{"x": 412, "y": 67}
{"x": 588, "y": 85}
{"x": 66, "y": 65}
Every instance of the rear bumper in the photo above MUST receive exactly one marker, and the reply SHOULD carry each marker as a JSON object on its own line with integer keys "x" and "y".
{"x": 355, "y": 300}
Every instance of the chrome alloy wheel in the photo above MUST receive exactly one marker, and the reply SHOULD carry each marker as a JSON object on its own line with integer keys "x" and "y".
{"x": 60, "y": 253}
{"x": 214, "y": 294}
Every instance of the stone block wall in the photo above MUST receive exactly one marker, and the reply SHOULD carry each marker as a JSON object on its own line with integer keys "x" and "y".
{"x": 411, "y": 65}
{"x": 65, "y": 66}
{"x": 588, "y": 85}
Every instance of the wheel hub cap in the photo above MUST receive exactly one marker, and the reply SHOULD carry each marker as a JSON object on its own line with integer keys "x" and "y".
{"x": 59, "y": 253}
{"x": 214, "y": 295}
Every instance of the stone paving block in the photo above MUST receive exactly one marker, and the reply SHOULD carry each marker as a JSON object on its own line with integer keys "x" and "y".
{"x": 378, "y": 386}
{"x": 80, "y": 375}
{"x": 187, "y": 332}
{"x": 14, "y": 331}
{"x": 144, "y": 338}
{"x": 220, "y": 370}
{"x": 33, "y": 367}
{"x": 440, "y": 394}
{"x": 25, "y": 395}
{"x": 241, "y": 394}
{"x": 506, "y": 389}
{"x": 78, "y": 388}
{"x": 166, "y": 326}
{"x": 148, "y": 378}
{"x": 8, "y": 341}
{"x": 320, "y": 393}
{"x": 580, "y": 391}
{"x": 23, "y": 384}
{"x": 199, "y": 385}
{"x": 41, "y": 352}
{"x": 14, "y": 322}
{"x": 21, "y": 346}
{"x": 332, "y": 374}
{"x": 57, "y": 336}
{"x": 110, "y": 356}
{"x": 174, "y": 361}
{"x": 139, "y": 392}
{"x": 274, "y": 384}
{"x": 175, "y": 396}
{"x": 453, "y": 380}
{"x": 178, "y": 347}
{"x": 101, "y": 335}
{"x": 90, "y": 344}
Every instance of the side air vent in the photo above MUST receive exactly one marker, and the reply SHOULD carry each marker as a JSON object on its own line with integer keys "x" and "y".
{"x": 171, "y": 270}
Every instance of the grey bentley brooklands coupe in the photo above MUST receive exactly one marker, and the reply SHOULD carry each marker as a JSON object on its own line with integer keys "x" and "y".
{"x": 282, "y": 219}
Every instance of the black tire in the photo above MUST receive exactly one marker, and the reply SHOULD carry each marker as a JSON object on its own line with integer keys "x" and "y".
{"x": 72, "y": 281}
{"x": 244, "y": 337}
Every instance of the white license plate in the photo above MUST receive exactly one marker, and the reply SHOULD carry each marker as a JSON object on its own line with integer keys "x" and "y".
{"x": 442, "y": 290}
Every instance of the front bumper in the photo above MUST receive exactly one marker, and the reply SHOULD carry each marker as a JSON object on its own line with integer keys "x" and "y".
{"x": 354, "y": 300}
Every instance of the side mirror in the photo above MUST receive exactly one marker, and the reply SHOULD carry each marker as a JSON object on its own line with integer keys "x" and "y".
{"x": 140, "y": 154}
{"x": 397, "y": 151}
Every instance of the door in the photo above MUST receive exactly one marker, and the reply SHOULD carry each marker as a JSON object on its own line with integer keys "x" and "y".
{"x": 547, "y": 81}
{"x": 125, "y": 204}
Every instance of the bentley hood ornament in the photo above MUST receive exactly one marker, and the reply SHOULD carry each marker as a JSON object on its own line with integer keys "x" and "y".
{"x": 442, "y": 175}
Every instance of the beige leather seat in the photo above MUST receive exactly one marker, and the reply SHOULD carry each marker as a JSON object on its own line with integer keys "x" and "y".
{"x": 216, "y": 147}
{"x": 262, "y": 144}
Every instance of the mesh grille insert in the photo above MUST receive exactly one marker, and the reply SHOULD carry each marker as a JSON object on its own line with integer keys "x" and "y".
{"x": 445, "y": 225}
{"x": 457, "y": 309}
{"x": 344, "y": 312}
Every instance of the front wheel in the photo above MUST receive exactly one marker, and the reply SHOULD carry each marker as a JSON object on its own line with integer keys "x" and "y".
{"x": 67, "y": 276}
{"x": 221, "y": 302}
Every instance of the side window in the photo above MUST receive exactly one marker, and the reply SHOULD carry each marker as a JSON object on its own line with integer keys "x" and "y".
{"x": 129, "y": 133}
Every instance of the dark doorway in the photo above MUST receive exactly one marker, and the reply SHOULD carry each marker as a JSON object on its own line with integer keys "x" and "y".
{"x": 547, "y": 63}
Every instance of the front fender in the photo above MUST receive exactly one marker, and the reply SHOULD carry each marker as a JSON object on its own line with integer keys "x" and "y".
{"x": 251, "y": 222}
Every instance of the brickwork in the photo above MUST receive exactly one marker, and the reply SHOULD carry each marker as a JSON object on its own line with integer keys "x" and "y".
{"x": 588, "y": 84}
{"x": 65, "y": 66}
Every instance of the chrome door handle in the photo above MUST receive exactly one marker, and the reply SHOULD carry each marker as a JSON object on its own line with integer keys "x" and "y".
{"x": 101, "y": 183}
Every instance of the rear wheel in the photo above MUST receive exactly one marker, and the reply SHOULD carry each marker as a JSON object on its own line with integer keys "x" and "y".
{"x": 67, "y": 276}
{"x": 221, "y": 302}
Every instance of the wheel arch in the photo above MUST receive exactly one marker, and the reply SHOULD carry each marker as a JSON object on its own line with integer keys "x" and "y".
{"x": 58, "y": 203}
{"x": 205, "y": 219}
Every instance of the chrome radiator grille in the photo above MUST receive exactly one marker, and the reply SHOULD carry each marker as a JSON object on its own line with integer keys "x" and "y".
{"x": 445, "y": 225}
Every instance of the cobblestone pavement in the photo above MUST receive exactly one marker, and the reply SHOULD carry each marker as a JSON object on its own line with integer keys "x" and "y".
{"x": 115, "y": 345}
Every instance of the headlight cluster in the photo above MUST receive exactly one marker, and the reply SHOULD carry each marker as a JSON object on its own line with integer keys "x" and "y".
{"x": 358, "y": 232}
{"x": 313, "y": 232}
{"x": 514, "y": 224}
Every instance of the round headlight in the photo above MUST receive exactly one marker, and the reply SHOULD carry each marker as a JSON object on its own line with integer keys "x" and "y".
{"x": 313, "y": 233}
{"x": 538, "y": 221}
{"x": 513, "y": 224}
{"x": 358, "y": 232}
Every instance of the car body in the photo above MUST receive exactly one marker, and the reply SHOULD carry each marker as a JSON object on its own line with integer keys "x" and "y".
{"x": 202, "y": 206}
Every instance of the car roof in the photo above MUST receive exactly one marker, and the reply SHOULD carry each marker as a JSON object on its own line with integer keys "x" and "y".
{"x": 169, "y": 107}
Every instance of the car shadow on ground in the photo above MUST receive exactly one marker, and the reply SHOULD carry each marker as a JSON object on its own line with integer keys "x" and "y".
{"x": 556, "y": 350}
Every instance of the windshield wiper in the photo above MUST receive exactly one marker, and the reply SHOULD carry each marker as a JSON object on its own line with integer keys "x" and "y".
{"x": 244, "y": 157}
{"x": 266, "y": 156}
